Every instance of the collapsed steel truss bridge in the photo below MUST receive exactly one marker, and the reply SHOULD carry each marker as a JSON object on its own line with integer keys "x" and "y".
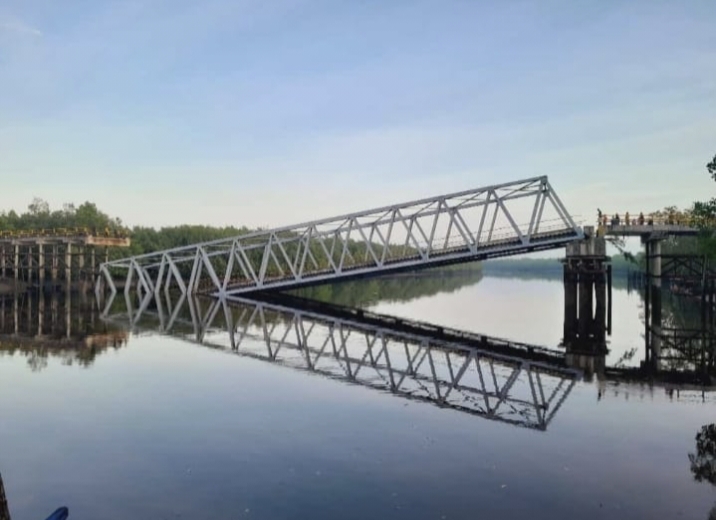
{"x": 523, "y": 389}
{"x": 500, "y": 220}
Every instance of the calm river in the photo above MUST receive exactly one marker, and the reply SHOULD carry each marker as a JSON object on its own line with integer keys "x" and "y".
{"x": 128, "y": 423}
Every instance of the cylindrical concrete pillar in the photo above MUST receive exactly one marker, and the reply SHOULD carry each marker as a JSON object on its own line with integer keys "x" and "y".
{"x": 68, "y": 264}
{"x": 81, "y": 261}
{"x": 55, "y": 263}
{"x": 570, "y": 304}
{"x": 586, "y": 303}
{"x": 16, "y": 263}
{"x": 41, "y": 265}
{"x": 29, "y": 265}
{"x": 655, "y": 246}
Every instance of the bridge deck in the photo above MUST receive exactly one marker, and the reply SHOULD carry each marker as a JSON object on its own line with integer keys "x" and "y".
{"x": 451, "y": 255}
{"x": 446, "y": 229}
{"x": 76, "y": 240}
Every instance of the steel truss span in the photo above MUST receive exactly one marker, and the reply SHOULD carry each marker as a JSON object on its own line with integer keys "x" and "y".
{"x": 500, "y": 220}
{"x": 481, "y": 382}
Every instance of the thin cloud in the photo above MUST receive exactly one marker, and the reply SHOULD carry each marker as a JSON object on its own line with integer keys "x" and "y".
{"x": 18, "y": 27}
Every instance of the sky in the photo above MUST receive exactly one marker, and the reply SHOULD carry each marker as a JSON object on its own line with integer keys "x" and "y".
{"x": 270, "y": 112}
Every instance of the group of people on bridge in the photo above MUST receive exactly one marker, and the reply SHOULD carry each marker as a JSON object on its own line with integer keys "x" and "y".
{"x": 671, "y": 218}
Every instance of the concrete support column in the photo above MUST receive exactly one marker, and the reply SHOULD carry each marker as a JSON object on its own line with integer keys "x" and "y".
{"x": 81, "y": 261}
{"x": 41, "y": 265}
{"x": 55, "y": 261}
{"x": 586, "y": 304}
{"x": 68, "y": 265}
{"x": 93, "y": 261}
{"x": 29, "y": 265}
{"x": 570, "y": 303}
{"x": 655, "y": 246}
{"x": 16, "y": 264}
{"x": 600, "y": 309}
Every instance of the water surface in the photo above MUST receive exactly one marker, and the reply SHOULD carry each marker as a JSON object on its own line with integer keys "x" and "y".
{"x": 141, "y": 425}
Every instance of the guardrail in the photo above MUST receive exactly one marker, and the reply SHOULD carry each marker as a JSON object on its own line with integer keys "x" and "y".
{"x": 653, "y": 219}
{"x": 63, "y": 232}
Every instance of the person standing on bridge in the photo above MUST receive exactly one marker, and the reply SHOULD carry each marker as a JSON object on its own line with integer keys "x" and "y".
{"x": 626, "y": 218}
{"x": 641, "y": 218}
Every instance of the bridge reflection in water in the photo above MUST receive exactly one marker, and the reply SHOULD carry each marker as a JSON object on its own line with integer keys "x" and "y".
{"x": 61, "y": 326}
{"x": 495, "y": 379}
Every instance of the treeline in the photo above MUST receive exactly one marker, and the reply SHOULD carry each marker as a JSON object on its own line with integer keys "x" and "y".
{"x": 395, "y": 288}
{"x": 39, "y": 216}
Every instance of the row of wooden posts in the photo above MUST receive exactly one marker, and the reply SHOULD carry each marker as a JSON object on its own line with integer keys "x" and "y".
{"x": 42, "y": 263}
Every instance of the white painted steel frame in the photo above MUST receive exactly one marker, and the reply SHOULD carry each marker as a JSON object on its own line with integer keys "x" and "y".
{"x": 504, "y": 388}
{"x": 446, "y": 229}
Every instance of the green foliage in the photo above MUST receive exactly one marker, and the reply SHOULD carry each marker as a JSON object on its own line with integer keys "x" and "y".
{"x": 703, "y": 462}
{"x": 705, "y": 214}
{"x": 395, "y": 288}
{"x": 147, "y": 240}
{"x": 39, "y": 216}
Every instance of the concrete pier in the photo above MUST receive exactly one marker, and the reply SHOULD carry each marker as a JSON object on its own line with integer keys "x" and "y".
{"x": 587, "y": 283}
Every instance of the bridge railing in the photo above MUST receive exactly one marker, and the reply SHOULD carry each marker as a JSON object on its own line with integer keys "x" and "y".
{"x": 653, "y": 219}
{"x": 63, "y": 232}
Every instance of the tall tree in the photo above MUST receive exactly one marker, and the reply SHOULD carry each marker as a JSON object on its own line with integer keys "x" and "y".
{"x": 705, "y": 214}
